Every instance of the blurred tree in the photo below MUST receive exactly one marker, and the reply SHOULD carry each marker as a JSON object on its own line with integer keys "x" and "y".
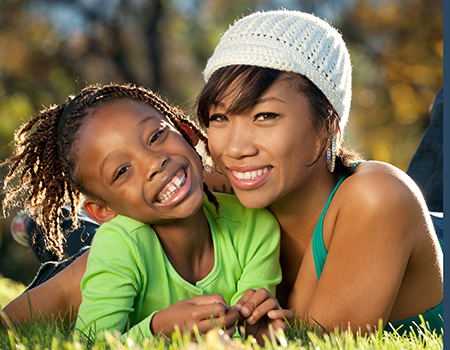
{"x": 397, "y": 54}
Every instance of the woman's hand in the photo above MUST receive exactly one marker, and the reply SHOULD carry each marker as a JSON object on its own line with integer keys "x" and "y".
{"x": 259, "y": 309}
{"x": 204, "y": 311}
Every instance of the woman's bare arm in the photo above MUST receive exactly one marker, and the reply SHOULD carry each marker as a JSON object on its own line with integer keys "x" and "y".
{"x": 383, "y": 261}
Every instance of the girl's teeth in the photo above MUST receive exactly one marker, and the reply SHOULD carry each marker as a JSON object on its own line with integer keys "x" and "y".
{"x": 178, "y": 181}
{"x": 250, "y": 175}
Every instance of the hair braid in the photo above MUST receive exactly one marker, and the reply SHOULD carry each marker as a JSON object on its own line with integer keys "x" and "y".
{"x": 45, "y": 161}
{"x": 43, "y": 185}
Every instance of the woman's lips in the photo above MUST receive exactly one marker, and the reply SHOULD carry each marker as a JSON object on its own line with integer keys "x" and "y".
{"x": 250, "y": 175}
{"x": 247, "y": 180}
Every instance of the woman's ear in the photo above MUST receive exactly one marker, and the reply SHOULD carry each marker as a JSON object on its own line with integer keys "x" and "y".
{"x": 98, "y": 211}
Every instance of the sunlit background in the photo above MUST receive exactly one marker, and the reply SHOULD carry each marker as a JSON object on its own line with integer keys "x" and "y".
{"x": 52, "y": 48}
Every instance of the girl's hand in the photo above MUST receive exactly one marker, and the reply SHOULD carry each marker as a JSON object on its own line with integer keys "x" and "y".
{"x": 204, "y": 311}
{"x": 259, "y": 309}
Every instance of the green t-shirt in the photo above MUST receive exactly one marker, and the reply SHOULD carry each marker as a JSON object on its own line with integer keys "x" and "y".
{"x": 129, "y": 278}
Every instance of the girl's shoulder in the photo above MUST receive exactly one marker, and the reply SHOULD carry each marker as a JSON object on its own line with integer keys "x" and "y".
{"x": 229, "y": 206}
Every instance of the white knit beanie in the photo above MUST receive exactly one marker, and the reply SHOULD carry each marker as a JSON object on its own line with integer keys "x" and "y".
{"x": 290, "y": 41}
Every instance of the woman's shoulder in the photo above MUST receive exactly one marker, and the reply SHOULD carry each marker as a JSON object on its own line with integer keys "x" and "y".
{"x": 380, "y": 176}
{"x": 379, "y": 183}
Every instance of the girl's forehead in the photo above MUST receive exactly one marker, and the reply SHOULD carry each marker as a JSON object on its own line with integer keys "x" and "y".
{"x": 128, "y": 106}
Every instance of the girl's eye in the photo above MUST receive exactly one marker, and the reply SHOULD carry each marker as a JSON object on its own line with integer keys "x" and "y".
{"x": 121, "y": 172}
{"x": 266, "y": 116}
{"x": 217, "y": 118}
{"x": 156, "y": 136}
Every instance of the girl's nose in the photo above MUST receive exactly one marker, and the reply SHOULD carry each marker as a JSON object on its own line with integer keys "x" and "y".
{"x": 155, "y": 164}
{"x": 240, "y": 142}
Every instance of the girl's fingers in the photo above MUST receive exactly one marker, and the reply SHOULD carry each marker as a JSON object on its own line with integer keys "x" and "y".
{"x": 224, "y": 320}
{"x": 244, "y": 298}
{"x": 281, "y": 314}
{"x": 261, "y": 310}
{"x": 209, "y": 299}
{"x": 255, "y": 301}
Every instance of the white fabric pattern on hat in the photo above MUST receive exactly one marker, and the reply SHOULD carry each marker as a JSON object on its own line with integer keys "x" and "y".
{"x": 290, "y": 41}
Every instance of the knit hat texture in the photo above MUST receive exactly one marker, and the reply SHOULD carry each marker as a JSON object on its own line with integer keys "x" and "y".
{"x": 290, "y": 41}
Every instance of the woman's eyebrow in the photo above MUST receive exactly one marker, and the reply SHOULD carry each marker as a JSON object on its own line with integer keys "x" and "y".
{"x": 268, "y": 99}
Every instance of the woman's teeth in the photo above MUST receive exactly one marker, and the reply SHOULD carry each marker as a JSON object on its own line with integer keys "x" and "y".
{"x": 250, "y": 175}
{"x": 172, "y": 187}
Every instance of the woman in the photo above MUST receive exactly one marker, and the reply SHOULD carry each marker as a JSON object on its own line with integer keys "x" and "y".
{"x": 358, "y": 244}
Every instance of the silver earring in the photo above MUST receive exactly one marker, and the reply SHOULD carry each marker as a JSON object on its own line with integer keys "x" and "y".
{"x": 331, "y": 153}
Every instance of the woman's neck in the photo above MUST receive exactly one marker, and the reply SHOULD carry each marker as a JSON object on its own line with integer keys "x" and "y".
{"x": 298, "y": 213}
{"x": 188, "y": 245}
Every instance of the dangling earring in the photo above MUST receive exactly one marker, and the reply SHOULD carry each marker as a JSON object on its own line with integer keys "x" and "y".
{"x": 331, "y": 153}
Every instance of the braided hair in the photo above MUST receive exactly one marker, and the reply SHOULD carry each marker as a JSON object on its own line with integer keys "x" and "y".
{"x": 44, "y": 159}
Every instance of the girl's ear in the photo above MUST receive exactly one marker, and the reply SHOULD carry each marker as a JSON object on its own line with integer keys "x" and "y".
{"x": 99, "y": 212}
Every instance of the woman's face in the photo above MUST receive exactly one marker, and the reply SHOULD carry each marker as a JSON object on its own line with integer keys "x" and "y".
{"x": 138, "y": 163}
{"x": 265, "y": 151}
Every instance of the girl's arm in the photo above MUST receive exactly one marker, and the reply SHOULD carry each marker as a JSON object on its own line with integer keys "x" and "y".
{"x": 58, "y": 297}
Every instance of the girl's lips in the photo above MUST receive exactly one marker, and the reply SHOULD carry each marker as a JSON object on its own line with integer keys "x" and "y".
{"x": 175, "y": 190}
{"x": 247, "y": 180}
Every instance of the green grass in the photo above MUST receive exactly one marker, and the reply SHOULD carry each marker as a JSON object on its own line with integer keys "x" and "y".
{"x": 52, "y": 335}
{"x": 9, "y": 289}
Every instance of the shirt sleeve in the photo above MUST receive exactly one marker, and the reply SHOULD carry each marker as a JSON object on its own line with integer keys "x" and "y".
{"x": 110, "y": 285}
{"x": 259, "y": 252}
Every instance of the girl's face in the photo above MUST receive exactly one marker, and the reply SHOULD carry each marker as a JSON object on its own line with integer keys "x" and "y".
{"x": 131, "y": 157}
{"x": 265, "y": 151}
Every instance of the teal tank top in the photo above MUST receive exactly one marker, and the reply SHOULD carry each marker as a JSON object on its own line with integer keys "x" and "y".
{"x": 434, "y": 316}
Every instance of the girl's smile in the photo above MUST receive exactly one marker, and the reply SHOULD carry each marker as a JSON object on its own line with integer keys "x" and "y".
{"x": 175, "y": 190}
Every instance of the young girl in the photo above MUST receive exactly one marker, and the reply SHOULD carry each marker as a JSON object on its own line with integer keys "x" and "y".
{"x": 122, "y": 150}
{"x": 357, "y": 242}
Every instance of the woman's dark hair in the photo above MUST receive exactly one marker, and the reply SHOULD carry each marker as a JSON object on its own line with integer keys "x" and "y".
{"x": 248, "y": 83}
{"x": 45, "y": 156}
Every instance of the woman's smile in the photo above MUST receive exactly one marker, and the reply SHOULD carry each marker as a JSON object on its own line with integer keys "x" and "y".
{"x": 249, "y": 179}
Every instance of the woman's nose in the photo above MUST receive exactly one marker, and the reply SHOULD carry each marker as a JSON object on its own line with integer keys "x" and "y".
{"x": 240, "y": 142}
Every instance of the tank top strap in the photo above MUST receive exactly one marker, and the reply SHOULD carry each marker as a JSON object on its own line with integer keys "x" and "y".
{"x": 318, "y": 247}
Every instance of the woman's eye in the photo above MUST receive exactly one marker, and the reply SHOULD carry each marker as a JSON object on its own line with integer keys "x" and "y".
{"x": 121, "y": 172}
{"x": 266, "y": 116}
{"x": 217, "y": 118}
